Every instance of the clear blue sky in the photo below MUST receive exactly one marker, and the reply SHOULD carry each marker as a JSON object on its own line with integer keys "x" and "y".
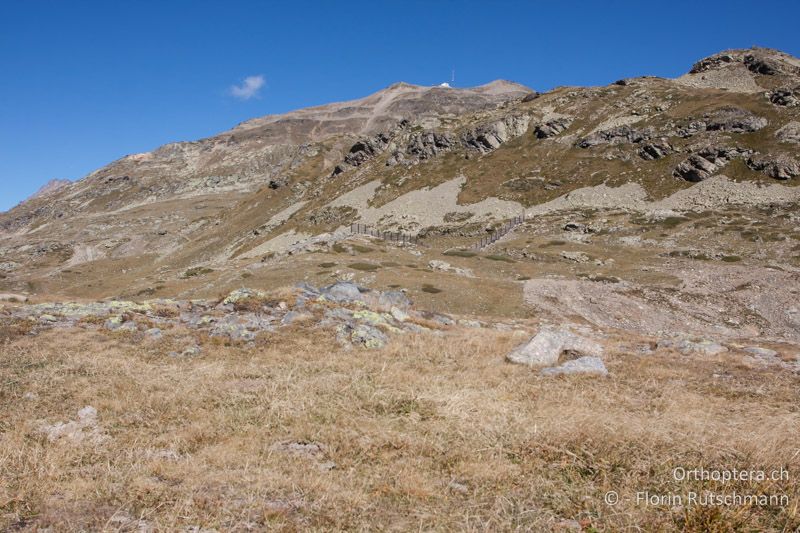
{"x": 84, "y": 83}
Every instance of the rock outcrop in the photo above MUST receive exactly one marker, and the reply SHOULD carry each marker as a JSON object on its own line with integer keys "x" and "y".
{"x": 779, "y": 167}
{"x": 619, "y": 135}
{"x": 489, "y": 137}
{"x": 551, "y": 128}
{"x": 707, "y": 162}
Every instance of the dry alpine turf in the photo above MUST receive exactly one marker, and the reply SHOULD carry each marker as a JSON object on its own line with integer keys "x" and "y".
{"x": 434, "y": 432}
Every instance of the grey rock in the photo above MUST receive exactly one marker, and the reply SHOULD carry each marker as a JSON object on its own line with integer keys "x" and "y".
{"x": 761, "y": 352}
{"x": 191, "y": 351}
{"x": 789, "y": 133}
{"x": 551, "y": 128}
{"x": 368, "y": 336}
{"x": 707, "y": 162}
{"x": 577, "y": 257}
{"x": 576, "y": 227}
{"x": 713, "y": 62}
{"x": 489, "y": 137}
{"x": 394, "y": 299}
{"x": 735, "y": 120}
{"x": 438, "y": 318}
{"x": 12, "y": 297}
{"x": 293, "y": 316}
{"x": 425, "y": 145}
{"x": 655, "y": 150}
{"x": 777, "y": 167}
{"x": 761, "y": 65}
{"x": 547, "y": 345}
{"x": 582, "y": 365}
{"x": 785, "y": 97}
{"x": 687, "y": 346}
{"x": 342, "y": 291}
{"x": 339, "y": 314}
{"x": 619, "y": 135}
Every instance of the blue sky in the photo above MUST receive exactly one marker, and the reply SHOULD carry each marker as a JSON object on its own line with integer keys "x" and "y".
{"x": 84, "y": 83}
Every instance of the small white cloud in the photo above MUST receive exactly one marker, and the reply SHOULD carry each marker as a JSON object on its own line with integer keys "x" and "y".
{"x": 249, "y": 88}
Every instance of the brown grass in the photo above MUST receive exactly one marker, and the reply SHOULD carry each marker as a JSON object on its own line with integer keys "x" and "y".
{"x": 191, "y": 440}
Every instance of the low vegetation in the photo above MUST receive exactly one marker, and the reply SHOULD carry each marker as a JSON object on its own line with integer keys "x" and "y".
{"x": 434, "y": 432}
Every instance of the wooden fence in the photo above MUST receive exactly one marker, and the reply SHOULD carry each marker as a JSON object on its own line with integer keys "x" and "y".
{"x": 496, "y": 234}
{"x": 391, "y": 236}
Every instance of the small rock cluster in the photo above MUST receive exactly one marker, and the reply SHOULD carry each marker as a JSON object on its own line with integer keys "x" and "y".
{"x": 360, "y": 316}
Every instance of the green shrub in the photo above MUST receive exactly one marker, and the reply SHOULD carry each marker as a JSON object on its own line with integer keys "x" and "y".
{"x": 366, "y": 267}
{"x": 430, "y": 289}
{"x": 460, "y": 253}
{"x": 500, "y": 258}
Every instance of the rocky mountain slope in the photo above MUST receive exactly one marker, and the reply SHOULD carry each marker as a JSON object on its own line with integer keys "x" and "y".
{"x": 429, "y": 161}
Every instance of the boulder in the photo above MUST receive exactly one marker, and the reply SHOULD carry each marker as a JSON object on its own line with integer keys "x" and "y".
{"x": 765, "y": 353}
{"x": 777, "y": 167}
{"x": 368, "y": 336}
{"x": 578, "y": 257}
{"x": 13, "y": 298}
{"x": 785, "y": 97}
{"x": 342, "y": 291}
{"x": 789, "y": 133}
{"x": 444, "y": 266}
{"x": 687, "y": 346}
{"x": 581, "y": 365}
{"x": 394, "y": 299}
{"x": 545, "y": 348}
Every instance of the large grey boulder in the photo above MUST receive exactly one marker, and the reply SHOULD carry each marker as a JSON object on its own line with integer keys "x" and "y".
{"x": 342, "y": 291}
{"x": 582, "y": 365}
{"x": 546, "y": 347}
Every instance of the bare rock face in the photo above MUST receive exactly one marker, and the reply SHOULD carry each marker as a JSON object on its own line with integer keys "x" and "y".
{"x": 735, "y": 120}
{"x": 655, "y": 150}
{"x": 762, "y": 61}
{"x": 489, "y": 137}
{"x": 706, "y": 162}
{"x": 779, "y": 167}
{"x": 425, "y": 145}
{"x": 619, "y": 135}
{"x": 552, "y": 128}
{"x": 785, "y": 97}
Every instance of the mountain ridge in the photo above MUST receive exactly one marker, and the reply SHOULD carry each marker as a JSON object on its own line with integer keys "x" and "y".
{"x": 500, "y": 148}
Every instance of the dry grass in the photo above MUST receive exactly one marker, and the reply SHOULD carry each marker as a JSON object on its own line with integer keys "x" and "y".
{"x": 433, "y": 432}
